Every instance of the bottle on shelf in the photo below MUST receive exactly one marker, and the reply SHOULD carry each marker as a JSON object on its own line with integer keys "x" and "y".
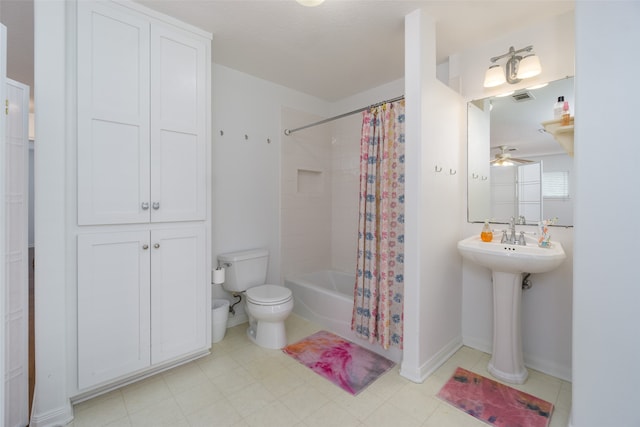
{"x": 566, "y": 114}
{"x": 557, "y": 108}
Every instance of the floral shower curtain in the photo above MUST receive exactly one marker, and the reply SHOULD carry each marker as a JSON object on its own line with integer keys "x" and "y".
{"x": 379, "y": 287}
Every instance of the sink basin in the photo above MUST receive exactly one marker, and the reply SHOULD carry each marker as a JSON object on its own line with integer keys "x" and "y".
{"x": 507, "y": 264}
{"x": 512, "y": 258}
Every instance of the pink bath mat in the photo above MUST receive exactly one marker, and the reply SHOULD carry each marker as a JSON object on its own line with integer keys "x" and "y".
{"x": 342, "y": 362}
{"x": 494, "y": 403}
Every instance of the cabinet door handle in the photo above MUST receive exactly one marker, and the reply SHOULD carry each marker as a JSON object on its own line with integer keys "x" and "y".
{"x": 157, "y": 245}
{"x": 145, "y": 246}
{"x": 156, "y": 205}
{"x": 145, "y": 206}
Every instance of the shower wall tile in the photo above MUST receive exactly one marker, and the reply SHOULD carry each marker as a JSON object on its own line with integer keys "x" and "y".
{"x": 305, "y": 196}
{"x": 345, "y": 193}
{"x": 319, "y": 227}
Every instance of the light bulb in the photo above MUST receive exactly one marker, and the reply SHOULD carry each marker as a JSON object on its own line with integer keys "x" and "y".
{"x": 494, "y": 76}
{"x": 529, "y": 67}
{"x": 310, "y": 3}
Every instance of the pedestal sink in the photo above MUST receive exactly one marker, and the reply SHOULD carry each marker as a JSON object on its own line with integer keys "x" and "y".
{"x": 507, "y": 263}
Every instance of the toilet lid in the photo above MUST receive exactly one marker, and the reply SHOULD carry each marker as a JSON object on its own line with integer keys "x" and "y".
{"x": 268, "y": 294}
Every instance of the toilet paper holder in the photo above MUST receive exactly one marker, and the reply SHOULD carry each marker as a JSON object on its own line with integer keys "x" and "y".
{"x": 218, "y": 276}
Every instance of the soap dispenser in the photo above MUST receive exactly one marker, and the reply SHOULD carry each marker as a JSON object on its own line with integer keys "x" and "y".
{"x": 486, "y": 234}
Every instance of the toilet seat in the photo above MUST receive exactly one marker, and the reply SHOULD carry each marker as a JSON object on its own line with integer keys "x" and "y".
{"x": 268, "y": 295}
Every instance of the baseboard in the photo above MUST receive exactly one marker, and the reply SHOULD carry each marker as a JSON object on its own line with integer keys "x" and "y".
{"x": 420, "y": 373}
{"x": 106, "y": 388}
{"x": 543, "y": 365}
{"x": 478, "y": 344}
{"x": 55, "y": 418}
{"x": 548, "y": 367}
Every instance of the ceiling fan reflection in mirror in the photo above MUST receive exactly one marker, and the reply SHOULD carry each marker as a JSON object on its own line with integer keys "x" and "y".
{"x": 503, "y": 158}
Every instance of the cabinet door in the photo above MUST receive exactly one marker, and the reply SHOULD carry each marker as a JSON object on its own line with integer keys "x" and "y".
{"x": 113, "y": 115}
{"x": 113, "y": 305}
{"x": 178, "y": 125}
{"x": 16, "y": 256}
{"x": 178, "y": 293}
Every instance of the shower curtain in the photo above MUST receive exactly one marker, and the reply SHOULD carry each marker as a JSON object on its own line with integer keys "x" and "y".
{"x": 379, "y": 288}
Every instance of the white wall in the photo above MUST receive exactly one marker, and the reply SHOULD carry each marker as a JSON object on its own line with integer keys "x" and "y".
{"x": 606, "y": 346}
{"x": 51, "y": 403}
{"x": 246, "y": 171}
{"x": 547, "y": 307}
{"x": 434, "y": 132}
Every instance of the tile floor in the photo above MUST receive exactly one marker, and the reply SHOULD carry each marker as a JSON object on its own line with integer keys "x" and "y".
{"x": 241, "y": 384}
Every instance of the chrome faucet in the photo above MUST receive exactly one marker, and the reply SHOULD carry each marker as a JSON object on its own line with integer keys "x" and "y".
{"x": 513, "y": 239}
{"x": 522, "y": 241}
{"x": 512, "y": 231}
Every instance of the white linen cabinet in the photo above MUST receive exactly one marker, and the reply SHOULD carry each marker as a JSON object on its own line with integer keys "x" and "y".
{"x": 143, "y": 96}
{"x": 140, "y": 300}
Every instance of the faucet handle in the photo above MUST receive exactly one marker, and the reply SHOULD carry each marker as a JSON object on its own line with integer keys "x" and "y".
{"x": 504, "y": 237}
{"x": 522, "y": 241}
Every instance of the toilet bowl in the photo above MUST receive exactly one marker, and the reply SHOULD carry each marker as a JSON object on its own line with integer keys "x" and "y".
{"x": 268, "y": 306}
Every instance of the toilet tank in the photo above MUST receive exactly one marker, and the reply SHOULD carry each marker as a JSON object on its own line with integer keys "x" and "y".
{"x": 244, "y": 269}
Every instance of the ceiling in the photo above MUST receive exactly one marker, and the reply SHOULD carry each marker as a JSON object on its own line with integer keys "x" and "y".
{"x": 332, "y": 51}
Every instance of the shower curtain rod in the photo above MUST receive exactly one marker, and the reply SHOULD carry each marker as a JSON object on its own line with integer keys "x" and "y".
{"x": 330, "y": 119}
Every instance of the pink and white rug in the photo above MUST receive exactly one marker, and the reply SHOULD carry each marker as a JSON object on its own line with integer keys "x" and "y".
{"x": 494, "y": 403}
{"x": 342, "y": 362}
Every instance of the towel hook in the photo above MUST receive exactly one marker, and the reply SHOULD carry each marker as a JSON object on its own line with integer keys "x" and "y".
{"x": 438, "y": 169}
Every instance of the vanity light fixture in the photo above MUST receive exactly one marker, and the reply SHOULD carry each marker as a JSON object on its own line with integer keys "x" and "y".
{"x": 517, "y": 67}
{"x": 310, "y": 3}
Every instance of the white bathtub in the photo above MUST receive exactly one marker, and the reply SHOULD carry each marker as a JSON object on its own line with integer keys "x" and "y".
{"x": 326, "y": 298}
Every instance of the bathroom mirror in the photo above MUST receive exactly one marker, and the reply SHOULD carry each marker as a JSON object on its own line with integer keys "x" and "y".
{"x": 508, "y": 129}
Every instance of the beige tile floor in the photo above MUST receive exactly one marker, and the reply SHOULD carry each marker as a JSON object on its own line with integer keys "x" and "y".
{"x": 241, "y": 384}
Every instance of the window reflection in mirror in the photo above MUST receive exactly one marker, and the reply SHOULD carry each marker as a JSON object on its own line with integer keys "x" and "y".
{"x": 509, "y": 130}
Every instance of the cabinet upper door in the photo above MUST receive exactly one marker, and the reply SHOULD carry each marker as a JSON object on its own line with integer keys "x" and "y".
{"x": 179, "y": 90}
{"x": 113, "y": 115}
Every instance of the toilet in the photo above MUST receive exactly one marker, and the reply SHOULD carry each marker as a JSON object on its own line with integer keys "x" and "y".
{"x": 268, "y": 306}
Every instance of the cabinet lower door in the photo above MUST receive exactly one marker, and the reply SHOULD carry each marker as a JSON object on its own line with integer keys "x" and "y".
{"x": 113, "y": 305}
{"x": 178, "y": 293}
